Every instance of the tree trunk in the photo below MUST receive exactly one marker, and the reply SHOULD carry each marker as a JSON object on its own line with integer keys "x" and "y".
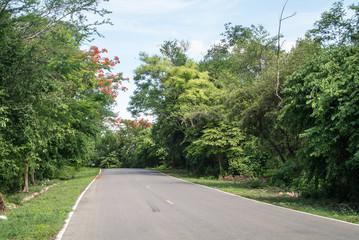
{"x": 220, "y": 160}
{"x": 173, "y": 159}
{"x": 265, "y": 136}
{"x": 3, "y": 208}
{"x": 26, "y": 179}
{"x": 281, "y": 19}
{"x": 32, "y": 178}
{"x": 276, "y": 148}
{"x": 291, "y": 150}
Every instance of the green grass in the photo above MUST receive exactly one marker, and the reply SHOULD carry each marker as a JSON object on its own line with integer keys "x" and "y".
{"x": 16, "y": 198}
{"x": 44, "y": 216}
{"x": 262, "y": 191}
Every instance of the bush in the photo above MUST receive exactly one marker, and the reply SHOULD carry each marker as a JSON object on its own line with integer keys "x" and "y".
{"x": 66, "y": 173}
{"x": 111, "y": 161}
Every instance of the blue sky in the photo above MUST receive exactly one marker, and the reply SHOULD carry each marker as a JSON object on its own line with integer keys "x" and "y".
{"x": 142, "y": 25}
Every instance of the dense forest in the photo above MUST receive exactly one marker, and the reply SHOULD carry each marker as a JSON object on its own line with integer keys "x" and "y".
{"x": 247, "y": 108}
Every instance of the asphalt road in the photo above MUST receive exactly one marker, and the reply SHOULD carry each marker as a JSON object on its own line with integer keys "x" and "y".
{"x": 138, "y": 204}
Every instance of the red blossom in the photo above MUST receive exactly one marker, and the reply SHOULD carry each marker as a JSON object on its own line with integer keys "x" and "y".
{"x": 106, "y": 82}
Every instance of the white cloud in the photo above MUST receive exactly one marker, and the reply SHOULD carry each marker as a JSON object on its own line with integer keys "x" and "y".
{"x": 197, "y": 49}
{"x": 148, "y": 6}
{"x": 288, "y": 45}
{"x": 132, "y": 26}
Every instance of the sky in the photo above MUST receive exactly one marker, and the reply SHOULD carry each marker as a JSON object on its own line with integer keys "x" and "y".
{"x": 143, "y": 25}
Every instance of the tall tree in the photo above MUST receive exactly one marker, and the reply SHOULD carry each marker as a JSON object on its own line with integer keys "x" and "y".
{"x": 53, "y": 94}
{"x": 334, "y": 28}
{"x": 175, "y": 51}
{"x": 323, "y": 95}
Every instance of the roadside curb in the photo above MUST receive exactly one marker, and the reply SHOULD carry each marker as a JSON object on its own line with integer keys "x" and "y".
{"x": 37, "y": 194}
{"x": 268, "y": 204}
{"x": 67, "y": 221}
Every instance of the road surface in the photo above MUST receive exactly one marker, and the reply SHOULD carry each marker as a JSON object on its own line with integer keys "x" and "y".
{"x": 138, "y": 204}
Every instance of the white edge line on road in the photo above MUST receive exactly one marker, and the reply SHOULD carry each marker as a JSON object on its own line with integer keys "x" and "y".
{"x": 234, "y": 195}
{"x": 62, "y": 231}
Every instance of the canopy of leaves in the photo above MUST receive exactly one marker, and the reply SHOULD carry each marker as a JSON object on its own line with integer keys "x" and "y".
{"x": 323, "y": 99}
{"x": 54, "y": 96}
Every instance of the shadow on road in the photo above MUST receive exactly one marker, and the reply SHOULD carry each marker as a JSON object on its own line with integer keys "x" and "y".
{"x": 129, "y": 171}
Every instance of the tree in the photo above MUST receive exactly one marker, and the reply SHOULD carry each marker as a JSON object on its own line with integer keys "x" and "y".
{"x": 148, "y": 95}
{"x": 191, "y": 103}
{"x": 323, "y": 96}
{"x": 130, "y": 140}
{"x": 220, "y": 141}
{"x": 175, "y": 51}
{"x": 155, "y": 96}
{"x": 242, "y": 54}
{"x": 54, "y": 96}
{"x": 281, "y": 19}
{"x": 35, "y": 17}
{"x": 3, "y": 208}
{"x": 334, "y": 29}
{"x": 250, "y": 82}
{"x": 319, "y": 107}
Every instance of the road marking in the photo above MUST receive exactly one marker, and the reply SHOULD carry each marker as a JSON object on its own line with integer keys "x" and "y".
{"x": 148, "y": 187}
{"x": 169, "y": 202}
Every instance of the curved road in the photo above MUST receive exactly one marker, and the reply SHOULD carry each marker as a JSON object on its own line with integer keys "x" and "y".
{"x": 138, "y": 204}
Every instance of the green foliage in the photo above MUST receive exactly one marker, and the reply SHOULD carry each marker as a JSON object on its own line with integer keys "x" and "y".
{"x": 242, "y": 55}
{"x": 252, "y": 160}
{"x": 147, "y": 97}
{"x": 221, "y": 143}
{"x": 206, "y": 114}
{"x": 323, "y": 94}
{"x": 175, "y": 50}
{"x": 110, "y": 161}
{"x": 334, "y": 29}
{"x": 145, "y": 153}
{"x": 51, "y": 102}
{"x": 160, "y": 81}
{"x": 66, "y": 173}
{"x": 106, "y": 143}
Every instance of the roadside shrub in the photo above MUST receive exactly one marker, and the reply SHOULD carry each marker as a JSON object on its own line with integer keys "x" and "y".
{"x": 65, "y": 173}
{"x": 111, "y": 161}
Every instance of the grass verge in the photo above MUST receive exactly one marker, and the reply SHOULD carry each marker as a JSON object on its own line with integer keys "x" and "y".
{"x": 44, "y": 216}
{"x": 262, "y": 191}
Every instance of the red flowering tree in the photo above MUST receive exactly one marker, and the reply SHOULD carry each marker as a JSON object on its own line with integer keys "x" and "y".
{"x": 127, "y": 126}
{"x": 106, "y": 82}
{"x": 129, "y": 132}
{"x": 94, "y": 73}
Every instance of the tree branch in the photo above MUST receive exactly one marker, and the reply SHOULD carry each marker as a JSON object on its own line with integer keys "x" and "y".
{"x": 3, "y": 6}
{"x": 55, "y": 20}
{"x": 281, "y": 19}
